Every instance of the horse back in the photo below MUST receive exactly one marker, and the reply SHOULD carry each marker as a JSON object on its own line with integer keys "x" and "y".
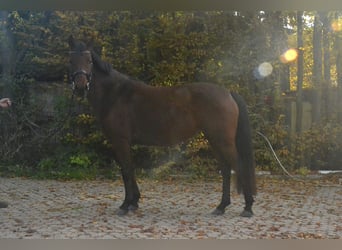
{"x": 169, "y": 115}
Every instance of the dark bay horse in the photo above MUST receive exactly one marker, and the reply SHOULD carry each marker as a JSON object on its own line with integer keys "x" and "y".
{"x": 132, "y": 112}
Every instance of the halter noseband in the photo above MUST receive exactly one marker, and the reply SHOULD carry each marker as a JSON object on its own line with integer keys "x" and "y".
{"x": 80, "y": 72}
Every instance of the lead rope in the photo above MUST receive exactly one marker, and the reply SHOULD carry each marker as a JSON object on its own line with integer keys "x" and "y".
{"x": 60, "y": 126}
{"x": 275, "y": 155}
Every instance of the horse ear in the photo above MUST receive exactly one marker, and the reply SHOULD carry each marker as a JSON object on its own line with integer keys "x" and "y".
{"x": 71, "y": 41}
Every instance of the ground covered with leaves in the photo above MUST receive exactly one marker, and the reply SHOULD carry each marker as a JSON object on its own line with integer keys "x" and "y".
{"x": 285, "y": 208}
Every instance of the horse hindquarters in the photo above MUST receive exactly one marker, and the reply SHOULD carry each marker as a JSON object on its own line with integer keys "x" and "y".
{"x": 220, "y": 125}
{"x": 230, "y": 138}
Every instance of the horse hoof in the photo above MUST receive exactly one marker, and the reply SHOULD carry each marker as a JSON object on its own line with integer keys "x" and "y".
{"x": 132, "y": 208}
{"x": 247, "y": 214}
{"x": 217, "y": 212}
{"x": 3, "y": 204}
{"x": 122, "y": 212}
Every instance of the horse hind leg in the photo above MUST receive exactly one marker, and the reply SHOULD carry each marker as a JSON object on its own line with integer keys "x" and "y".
{"x": 249, "y": 200}
{"x": 245, "y": 172}
{"x": 227, "y": 157}
{"x": 244, "y": 185}
{"x": 247, "y": 212}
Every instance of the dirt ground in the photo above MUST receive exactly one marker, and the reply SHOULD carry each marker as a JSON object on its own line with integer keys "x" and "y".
{"x": 309, "y": 207}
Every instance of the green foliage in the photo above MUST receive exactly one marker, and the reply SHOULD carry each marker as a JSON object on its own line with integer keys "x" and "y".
{"x": 163, "y": 172}
{"x": 319, "y": 147}
{"x": 316, "y": 148}
{"x": 14, "y": 170}
{"x": 200, "y": 161}
{"x": 193, "y": 159}
{"x": 37, "y": 49}
{"x": 85, "y": 154}
{"x": 162, "y": 49}
{"x": 304, "y": 171}
{"x": 277, "y": 134}
{"x": 81, "y": 161}
{"x": 72, "y": 165}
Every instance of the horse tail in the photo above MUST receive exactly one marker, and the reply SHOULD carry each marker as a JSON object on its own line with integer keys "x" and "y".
{"x": 245, "y": 171}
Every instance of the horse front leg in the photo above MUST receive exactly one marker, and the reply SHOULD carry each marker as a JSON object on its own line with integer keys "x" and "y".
{"x": 132, "y": 194}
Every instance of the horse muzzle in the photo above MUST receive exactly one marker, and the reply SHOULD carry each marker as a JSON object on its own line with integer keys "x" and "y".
{"x": 81, "y": 80}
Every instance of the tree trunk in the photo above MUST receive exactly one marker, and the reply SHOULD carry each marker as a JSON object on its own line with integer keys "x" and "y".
{"x": 317, "y": 70}
{"x": 6, "y": 56}
{"x": 326, "y": 63}
{"x": 338, "y": 47}
{"x": 300, "y": 70}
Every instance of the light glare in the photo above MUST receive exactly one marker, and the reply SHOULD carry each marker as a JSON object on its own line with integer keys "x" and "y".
{"x": 263, "y": 70}
{"x": 289, "y": 56}
{"x": 336, "y": 25}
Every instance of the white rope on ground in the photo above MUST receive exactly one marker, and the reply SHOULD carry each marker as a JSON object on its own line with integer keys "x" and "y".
{"x": 274, "y": 154}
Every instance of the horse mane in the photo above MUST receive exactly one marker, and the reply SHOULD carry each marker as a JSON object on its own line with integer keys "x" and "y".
{"x": 103, "y": 66}
{"x": 107, "y": 68}
{"x": 80, "y": 47}
{"x": 123, "y": 82}
{"x": 99, "y": 64}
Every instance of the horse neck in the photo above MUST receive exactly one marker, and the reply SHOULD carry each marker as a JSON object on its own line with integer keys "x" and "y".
{"x": 102, "y": 85}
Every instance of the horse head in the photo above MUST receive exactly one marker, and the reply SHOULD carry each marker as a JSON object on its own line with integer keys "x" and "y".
{"x": 81, "y": 65}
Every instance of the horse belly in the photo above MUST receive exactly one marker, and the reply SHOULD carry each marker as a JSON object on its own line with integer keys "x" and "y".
{"x": 164, "y": 117}
{"x": 167, "y": 132}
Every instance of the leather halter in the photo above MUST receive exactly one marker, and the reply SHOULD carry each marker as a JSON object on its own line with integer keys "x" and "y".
{"x": 81, "y": 72}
